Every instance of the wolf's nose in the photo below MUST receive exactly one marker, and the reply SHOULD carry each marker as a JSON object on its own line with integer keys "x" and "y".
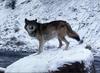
{"x": 81, "y": 41}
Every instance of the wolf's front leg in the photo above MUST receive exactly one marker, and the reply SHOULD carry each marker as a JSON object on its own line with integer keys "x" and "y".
{"x": 66, "y": 42}
{"x": 41, "y": 43}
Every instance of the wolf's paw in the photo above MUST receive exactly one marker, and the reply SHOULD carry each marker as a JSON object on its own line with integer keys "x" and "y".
{"x": 66, "y": 48}
{"x": 37, "y": 53}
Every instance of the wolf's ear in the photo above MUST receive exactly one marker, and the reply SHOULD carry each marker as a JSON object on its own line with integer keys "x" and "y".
{"x": 26, "y": 20}
{"x": 35, "y": 20}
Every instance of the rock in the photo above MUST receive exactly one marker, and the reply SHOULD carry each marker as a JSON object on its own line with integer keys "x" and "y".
{"x": 2, "y": 70}
{"x": 76, "y": 67}
{"x": 73, "y": 60}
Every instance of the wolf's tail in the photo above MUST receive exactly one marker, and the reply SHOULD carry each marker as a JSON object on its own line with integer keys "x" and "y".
{"x": 73, "y": 34}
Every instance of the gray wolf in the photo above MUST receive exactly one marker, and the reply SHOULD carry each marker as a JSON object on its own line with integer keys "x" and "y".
{"x": 46, "y": 31}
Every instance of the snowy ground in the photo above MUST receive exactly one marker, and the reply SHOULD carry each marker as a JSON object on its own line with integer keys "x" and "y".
{"x": 50, "y": 60}
{"x": 83, "y": 16}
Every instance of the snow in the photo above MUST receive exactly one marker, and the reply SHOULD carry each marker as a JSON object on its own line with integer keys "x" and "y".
{"x": 82, "y": 15}
{"x": 2, "y": 69}
{"x": 50, "y": 60}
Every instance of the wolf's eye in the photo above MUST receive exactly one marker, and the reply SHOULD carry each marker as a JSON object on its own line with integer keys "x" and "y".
{"x": 30, "y": 27}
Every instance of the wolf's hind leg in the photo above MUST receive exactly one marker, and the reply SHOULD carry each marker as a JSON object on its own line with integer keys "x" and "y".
{"x": 60, "y": 43}
{"x": 66, "y": 42}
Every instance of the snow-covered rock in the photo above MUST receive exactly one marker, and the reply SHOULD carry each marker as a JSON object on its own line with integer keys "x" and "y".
{"x": 51, "y": 60}
{"x": 2, "y": 70}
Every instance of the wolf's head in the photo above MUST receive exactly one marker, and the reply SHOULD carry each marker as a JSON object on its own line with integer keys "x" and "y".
{"x": 30, "y": 25}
